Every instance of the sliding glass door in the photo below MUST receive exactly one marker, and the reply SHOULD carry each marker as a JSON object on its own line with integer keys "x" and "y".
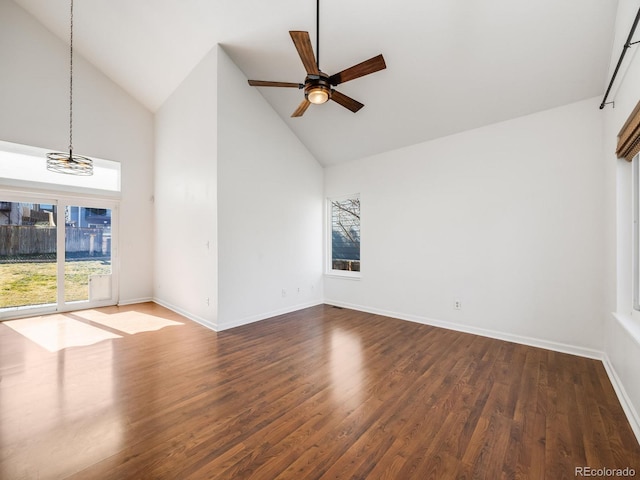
{"x": 56, "y": 254}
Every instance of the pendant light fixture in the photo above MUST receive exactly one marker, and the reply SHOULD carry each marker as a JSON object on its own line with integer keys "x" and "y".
{"x": 69, "y": 163}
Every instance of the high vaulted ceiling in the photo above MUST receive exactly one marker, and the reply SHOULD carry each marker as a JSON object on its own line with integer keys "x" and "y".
{"x": 452, "y": 65}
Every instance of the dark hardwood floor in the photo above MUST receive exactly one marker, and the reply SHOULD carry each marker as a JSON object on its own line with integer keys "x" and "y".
{"x": 320, "y": 393}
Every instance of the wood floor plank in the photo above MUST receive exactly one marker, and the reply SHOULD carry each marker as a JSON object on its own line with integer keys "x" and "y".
{"x": 316, "y": 394}
{"x": 525, "y": 452}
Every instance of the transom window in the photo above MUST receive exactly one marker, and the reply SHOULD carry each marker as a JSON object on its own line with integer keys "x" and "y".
{"x": 22, "y": 165}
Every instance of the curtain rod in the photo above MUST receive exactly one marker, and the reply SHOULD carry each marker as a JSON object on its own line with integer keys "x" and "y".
{"x": 626, "y": 46}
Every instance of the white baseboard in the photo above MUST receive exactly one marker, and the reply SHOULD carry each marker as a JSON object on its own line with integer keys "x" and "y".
{"x": 133, "y": 301}
{"x": 533, "y": 342}
{"x": 218, "y": 327}
{"x": 625, "y": 401}
{"x": 202, "y": 321}
{"x": 264, "y": 316}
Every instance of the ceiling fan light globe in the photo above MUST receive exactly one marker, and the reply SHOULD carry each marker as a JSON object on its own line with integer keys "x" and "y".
{"x": 318, "y": 95}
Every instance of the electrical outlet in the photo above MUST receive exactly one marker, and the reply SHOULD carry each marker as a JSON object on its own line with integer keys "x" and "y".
{"x": 457, "y": 304}
{"x": 284, "y": 292}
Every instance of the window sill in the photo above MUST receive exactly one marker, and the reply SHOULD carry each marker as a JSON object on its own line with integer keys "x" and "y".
{"x": 343, "y": 275}
{"x": 630, "y": 325}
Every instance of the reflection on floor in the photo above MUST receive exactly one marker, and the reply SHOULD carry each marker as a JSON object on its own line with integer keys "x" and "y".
{"x": 59, "y": 331}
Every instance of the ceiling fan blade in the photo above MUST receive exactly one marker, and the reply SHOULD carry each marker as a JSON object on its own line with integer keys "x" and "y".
{"x": 263, "y": 83}
{"x": 360, "y": 70}
{"x": 346, "y": 102}
{"x": 301, "y": 108}
{"x": 302, "y": 41}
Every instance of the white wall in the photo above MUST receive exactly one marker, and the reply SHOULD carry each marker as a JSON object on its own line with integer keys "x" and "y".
{"x": 186, "y": 246}
{"x": 508, "y": 219}
{"x": 269, "y": 208}
{"x": 108, "y": 123}
{"x": 622, "y": 330}
{"x": 238, "y": 203}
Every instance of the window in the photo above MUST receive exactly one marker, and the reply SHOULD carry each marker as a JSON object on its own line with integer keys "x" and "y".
{"x": 23, "y": 166}
{"x": 344, "y": 235}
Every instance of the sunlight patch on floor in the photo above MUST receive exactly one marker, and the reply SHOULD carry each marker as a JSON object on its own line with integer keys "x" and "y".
{"x": 130, "y": 322}
{"x": 55, "y": 332}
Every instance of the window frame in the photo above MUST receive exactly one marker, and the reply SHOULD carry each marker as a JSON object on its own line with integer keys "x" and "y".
{"x": 329, "y": 270}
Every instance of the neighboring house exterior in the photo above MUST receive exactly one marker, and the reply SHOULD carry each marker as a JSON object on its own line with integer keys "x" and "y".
{"x": 85, "y": 217}
{"x": 14, "y": 213}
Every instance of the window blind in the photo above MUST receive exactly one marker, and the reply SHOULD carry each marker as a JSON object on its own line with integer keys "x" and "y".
{"x": 629, "y": 136}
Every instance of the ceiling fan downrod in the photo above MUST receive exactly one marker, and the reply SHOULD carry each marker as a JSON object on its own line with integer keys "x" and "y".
{"x": 318, "y": 34}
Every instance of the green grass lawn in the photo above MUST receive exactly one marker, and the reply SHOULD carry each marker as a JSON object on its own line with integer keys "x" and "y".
{"x": 35, "y": 283}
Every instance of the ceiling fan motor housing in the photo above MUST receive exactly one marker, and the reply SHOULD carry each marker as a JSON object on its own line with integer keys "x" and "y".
{"x": 317, "y": 88}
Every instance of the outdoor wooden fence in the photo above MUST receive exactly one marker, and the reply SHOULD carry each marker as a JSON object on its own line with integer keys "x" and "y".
{"x": 35, "y": 240}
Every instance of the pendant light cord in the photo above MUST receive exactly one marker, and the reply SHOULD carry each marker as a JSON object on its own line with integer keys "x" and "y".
{"x": 71, "y": 85}
{"x": 69, "y": 163}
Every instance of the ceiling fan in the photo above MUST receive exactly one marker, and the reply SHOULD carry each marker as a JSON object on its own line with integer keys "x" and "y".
{"x": 317, "y": 84}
